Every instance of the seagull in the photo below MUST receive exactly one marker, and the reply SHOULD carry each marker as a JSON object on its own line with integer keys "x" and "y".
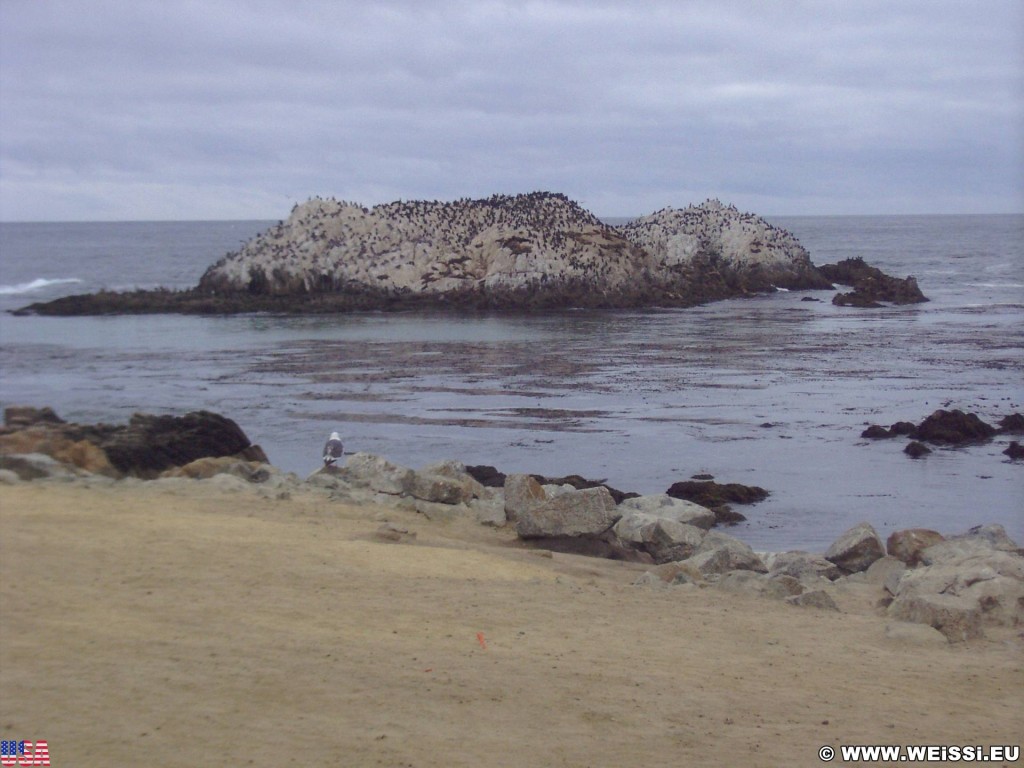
{"x": 333, "y": 449}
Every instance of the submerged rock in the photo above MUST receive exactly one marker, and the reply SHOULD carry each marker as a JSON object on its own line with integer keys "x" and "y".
{"x": 916, "y": 450}
{"x": 1014, "y": 450}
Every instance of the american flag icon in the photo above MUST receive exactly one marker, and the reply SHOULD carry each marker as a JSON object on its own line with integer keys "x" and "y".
{"x": 24, "y": 753}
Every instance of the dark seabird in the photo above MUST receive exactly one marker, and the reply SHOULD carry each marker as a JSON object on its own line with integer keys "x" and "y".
{"x": 333, "y": 449}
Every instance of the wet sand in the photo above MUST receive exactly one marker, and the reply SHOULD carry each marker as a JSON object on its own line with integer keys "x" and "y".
{"x": 168, "y": 625}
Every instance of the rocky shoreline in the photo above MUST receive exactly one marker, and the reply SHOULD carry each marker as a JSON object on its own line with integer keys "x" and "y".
{"x": 534, "y": 252}
{"x": 934, "y": 586}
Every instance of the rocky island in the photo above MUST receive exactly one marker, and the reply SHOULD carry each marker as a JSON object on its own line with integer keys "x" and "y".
{"x": 531, "y": 251}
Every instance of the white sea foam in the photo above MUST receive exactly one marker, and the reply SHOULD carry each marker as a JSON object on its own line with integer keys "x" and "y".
{"x": 34, "y": 285}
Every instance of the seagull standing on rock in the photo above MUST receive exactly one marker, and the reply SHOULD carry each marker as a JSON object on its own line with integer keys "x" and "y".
{"x": 333, "y": 449}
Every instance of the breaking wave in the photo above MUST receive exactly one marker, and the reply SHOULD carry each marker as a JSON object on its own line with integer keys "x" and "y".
{"x": 34, "y": 285}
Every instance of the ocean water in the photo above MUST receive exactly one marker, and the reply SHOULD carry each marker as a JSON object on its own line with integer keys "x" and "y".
{"x": 770, "y": 391}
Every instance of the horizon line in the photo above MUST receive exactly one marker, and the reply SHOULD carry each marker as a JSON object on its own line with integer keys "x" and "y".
{"x": 603, "y": 218}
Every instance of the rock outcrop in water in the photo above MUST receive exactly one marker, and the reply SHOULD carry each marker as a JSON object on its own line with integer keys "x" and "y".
{"x": 871, "y": 286}
{"x": 534, "y": 251}
{"x": 942, "y": 427}
{"x": 537, "y": 250}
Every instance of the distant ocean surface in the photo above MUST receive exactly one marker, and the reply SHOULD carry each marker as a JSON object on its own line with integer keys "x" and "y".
{"x": 770, "y": 391}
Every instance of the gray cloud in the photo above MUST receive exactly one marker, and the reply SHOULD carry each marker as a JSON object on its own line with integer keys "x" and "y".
{"x": 236, "y": 109}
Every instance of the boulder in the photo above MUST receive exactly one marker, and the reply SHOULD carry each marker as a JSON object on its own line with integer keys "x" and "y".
{"x": 22, "y": 416}
{"x": 579, "y": 483}
{"x": 60, "y": 443}
{"x": 377, "y": 473}
{"x": 456, "y": 470}
{"x": 522, "y": 493}
{"x": 440, "y": 510}
{"x": 907, "y": 545}
{"x": 802, "y": 565}
{"x": 856, "y": 549}
{"x": 439, "y": 489}
{"x": 980, "y": 540}
{"x": 486, "y": 475}
{"x": 151, "y": 444}
{"x": 720, "y": 553}
{"x": 663, "y": 538}
{"x": 994, "y": 534}
{"x": 990, "y": 580}
{"x": 1001, "y": 600}
{"x": 1014, "y": 450}
{"x": 662, "y": 505}
{"x": 489, "y": 511}
{"x": 586, "y": 513}
{"x": 958, "y": 618}
{"x": 885, "y": 570}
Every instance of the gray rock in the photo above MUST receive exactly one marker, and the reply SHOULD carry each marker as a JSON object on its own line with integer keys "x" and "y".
{"x": 1001, "y": 600}
{"x": 434, "y": 510}
{"x": 958, "y": 618}
{"x": 522, "y": 493}
{"x": 802, "y": 565}
{"x": 439, "y": 489}
{"x": 9, "y": 477}
{"x": 856, "y": 549}
{"x": 662, "y": 505}
{"x": 993, "y": 581}
{"x": 720, "y": 553}
{"x": 885, "y": 570}
{"x": 978, "y": 541}
{"x": 489, "y": 511}
{"x": 993, "y": 534}
{"x": 665, "y": 539}
{"x": 378, "y": 473}
{"x": 456, "y": 470}
{"x": 589, "y": 512}
{"x": 329, "y": 477}
{"x": 815, "y": 598}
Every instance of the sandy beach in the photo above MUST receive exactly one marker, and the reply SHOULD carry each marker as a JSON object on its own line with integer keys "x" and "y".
{"x": 169, "y": 624}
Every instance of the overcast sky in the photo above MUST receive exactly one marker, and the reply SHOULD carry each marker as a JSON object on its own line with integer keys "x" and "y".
{"x": 236, "y": 109}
